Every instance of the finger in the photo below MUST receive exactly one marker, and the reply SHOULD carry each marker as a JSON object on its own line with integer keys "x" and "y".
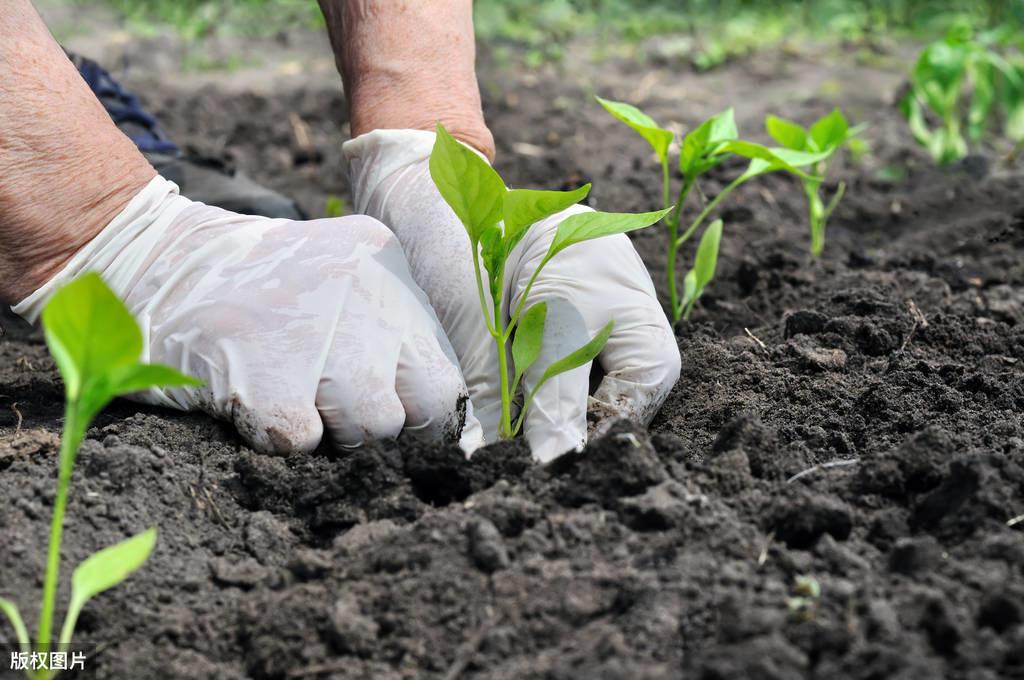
{"x": 272, "y": 415}
{"x": 641, "y": 359}
{"x": 641, "y": 363}
{"x": 357, "y": 393}
{"x": 356, "y": 396}
{"x": 472, "y": 437}
{"x": 428, "y": 380}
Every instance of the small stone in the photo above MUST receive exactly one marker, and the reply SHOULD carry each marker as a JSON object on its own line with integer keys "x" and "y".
{"x": 309, "y": 564}
{"x": 818, "y": 358}
{"x": 882, "y": 620}
{"x": 265, "y": 536}
{"x": 244, "y": 574}
{"x": 352, "y": 631}
{"x": 367, "y": 533}
{"x": 486, "y": 546}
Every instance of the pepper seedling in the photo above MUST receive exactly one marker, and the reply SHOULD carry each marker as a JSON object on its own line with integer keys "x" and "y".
{"x": 826, "y": 135}
{"x": 497, "y": 219}
{"x": 702, "y": 149}
{"x": 961, "y": 81}
{"x": 96, "y": 345}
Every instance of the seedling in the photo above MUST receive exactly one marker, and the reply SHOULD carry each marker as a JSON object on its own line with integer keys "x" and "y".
{"x": 826, "y": 135}
{"x": 962, "y": 82}
{"x": 705, "y": 147}
{"x": 335, "y": 206}
{"x": 96, "y": 345}
{"x": 804, "y": 603}
{"x": 496, "y": 219}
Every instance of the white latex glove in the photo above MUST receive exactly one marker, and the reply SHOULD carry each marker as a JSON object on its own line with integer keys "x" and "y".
{"x": 296, "y": 327}
{"x": 585, "y": 286}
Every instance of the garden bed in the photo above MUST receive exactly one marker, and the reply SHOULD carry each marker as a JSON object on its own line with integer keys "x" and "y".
{"x": 656, "y": 552}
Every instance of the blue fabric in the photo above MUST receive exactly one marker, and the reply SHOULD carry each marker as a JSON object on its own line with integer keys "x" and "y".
{"x": 124, "y": 108}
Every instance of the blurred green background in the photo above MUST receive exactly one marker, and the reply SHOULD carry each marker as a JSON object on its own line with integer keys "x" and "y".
{"x": 537, "y": 23}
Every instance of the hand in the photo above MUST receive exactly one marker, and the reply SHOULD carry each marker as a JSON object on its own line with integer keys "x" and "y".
{"x": 296, "y": 327}
{"x": 585, "y": 286}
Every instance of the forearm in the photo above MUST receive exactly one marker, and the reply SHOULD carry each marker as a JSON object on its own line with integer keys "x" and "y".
{"x": 408, "y": 64}
{"x": 65, "y": 168}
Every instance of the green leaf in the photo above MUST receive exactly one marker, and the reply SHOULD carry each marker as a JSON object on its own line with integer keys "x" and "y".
{"x": 104, "y": 570}
{"x": 592, "y": 224}
{"x": 144, "y": 376}
{"x": 700, "y": 144}
{"x": 659, "y": 138}
{"x": 524, "y": 207}
{"x": 787, "y": 133}
{"x": 830, "y": 131}
{"x": 707, "y": 255}
{"x": 982, "y": 100}
{"x": 491, "y": 249}
{"x": 14, "y": 616}
{"x": 334, "y": 206}
{"x": 689, "y": 289}
{"x": 938, "y": 75}
{"x": 914, "y": 113}
{"x": 468, "y": 184}
{"x": 764, "y": 159}
{"x": 90, "y": 332}
{"x": 704, "y": 265}
{"x": 579, "y": 357}
{"x": 96, "y": 345}
{"x": 527, "y": 341}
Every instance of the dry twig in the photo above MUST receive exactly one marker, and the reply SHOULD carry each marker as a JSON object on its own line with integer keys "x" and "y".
{"x": 755, "y": 338}
{"x": 823, "y": 466}
{"x": 919, "y": 322}
{"x": 21, "y": 419}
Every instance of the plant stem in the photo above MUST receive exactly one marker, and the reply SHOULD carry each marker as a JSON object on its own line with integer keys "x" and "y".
{"x": 666, "y": 188}
{"x": 514, "y": 320}
{"x": 505, "y": 428}
{"x": 68, "y": 446}
{"x": 709, "y": 207}
{"x": 480, "y": 291}
{"x": 672, "y": 224}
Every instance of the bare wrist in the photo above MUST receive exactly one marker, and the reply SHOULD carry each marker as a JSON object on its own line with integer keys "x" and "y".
{"x": 47, "y": 236}
{"x": 409, "y": 66}
{"x": 67, "y": 170}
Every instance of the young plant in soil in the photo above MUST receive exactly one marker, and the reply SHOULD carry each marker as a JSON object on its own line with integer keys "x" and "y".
{"x": 496, "y": 219}
{"x": 826, "y": 135}
{"x": 96, "y": 345}
{"x": 958, "y": 86}
{"x": 703, "y": 148}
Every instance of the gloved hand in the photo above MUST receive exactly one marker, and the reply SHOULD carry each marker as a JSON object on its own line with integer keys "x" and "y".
{"x": 296, "y": 327}
{"x": 585, "y": 286}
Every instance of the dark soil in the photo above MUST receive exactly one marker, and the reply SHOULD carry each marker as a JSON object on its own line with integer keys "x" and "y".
{"x": 662, "y": 553}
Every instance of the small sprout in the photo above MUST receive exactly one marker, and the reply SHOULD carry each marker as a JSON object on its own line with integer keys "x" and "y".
{"x": 703, "y": 148}
{"x": 335, "y": 206}
{"x": 826, "y": 136}
{"x": 496, "y": 219}
{"x": 704, "y": 265}
{"x": 964, "y": 66}
{"x": 803, "y": 604}
{"x": 96, "y": 345}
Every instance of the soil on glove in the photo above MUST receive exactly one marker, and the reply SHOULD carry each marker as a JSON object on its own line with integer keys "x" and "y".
{"x": 855, "y": 420}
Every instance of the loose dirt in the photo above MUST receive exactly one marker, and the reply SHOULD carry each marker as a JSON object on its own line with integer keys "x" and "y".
{"x": 886, "y": 378}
